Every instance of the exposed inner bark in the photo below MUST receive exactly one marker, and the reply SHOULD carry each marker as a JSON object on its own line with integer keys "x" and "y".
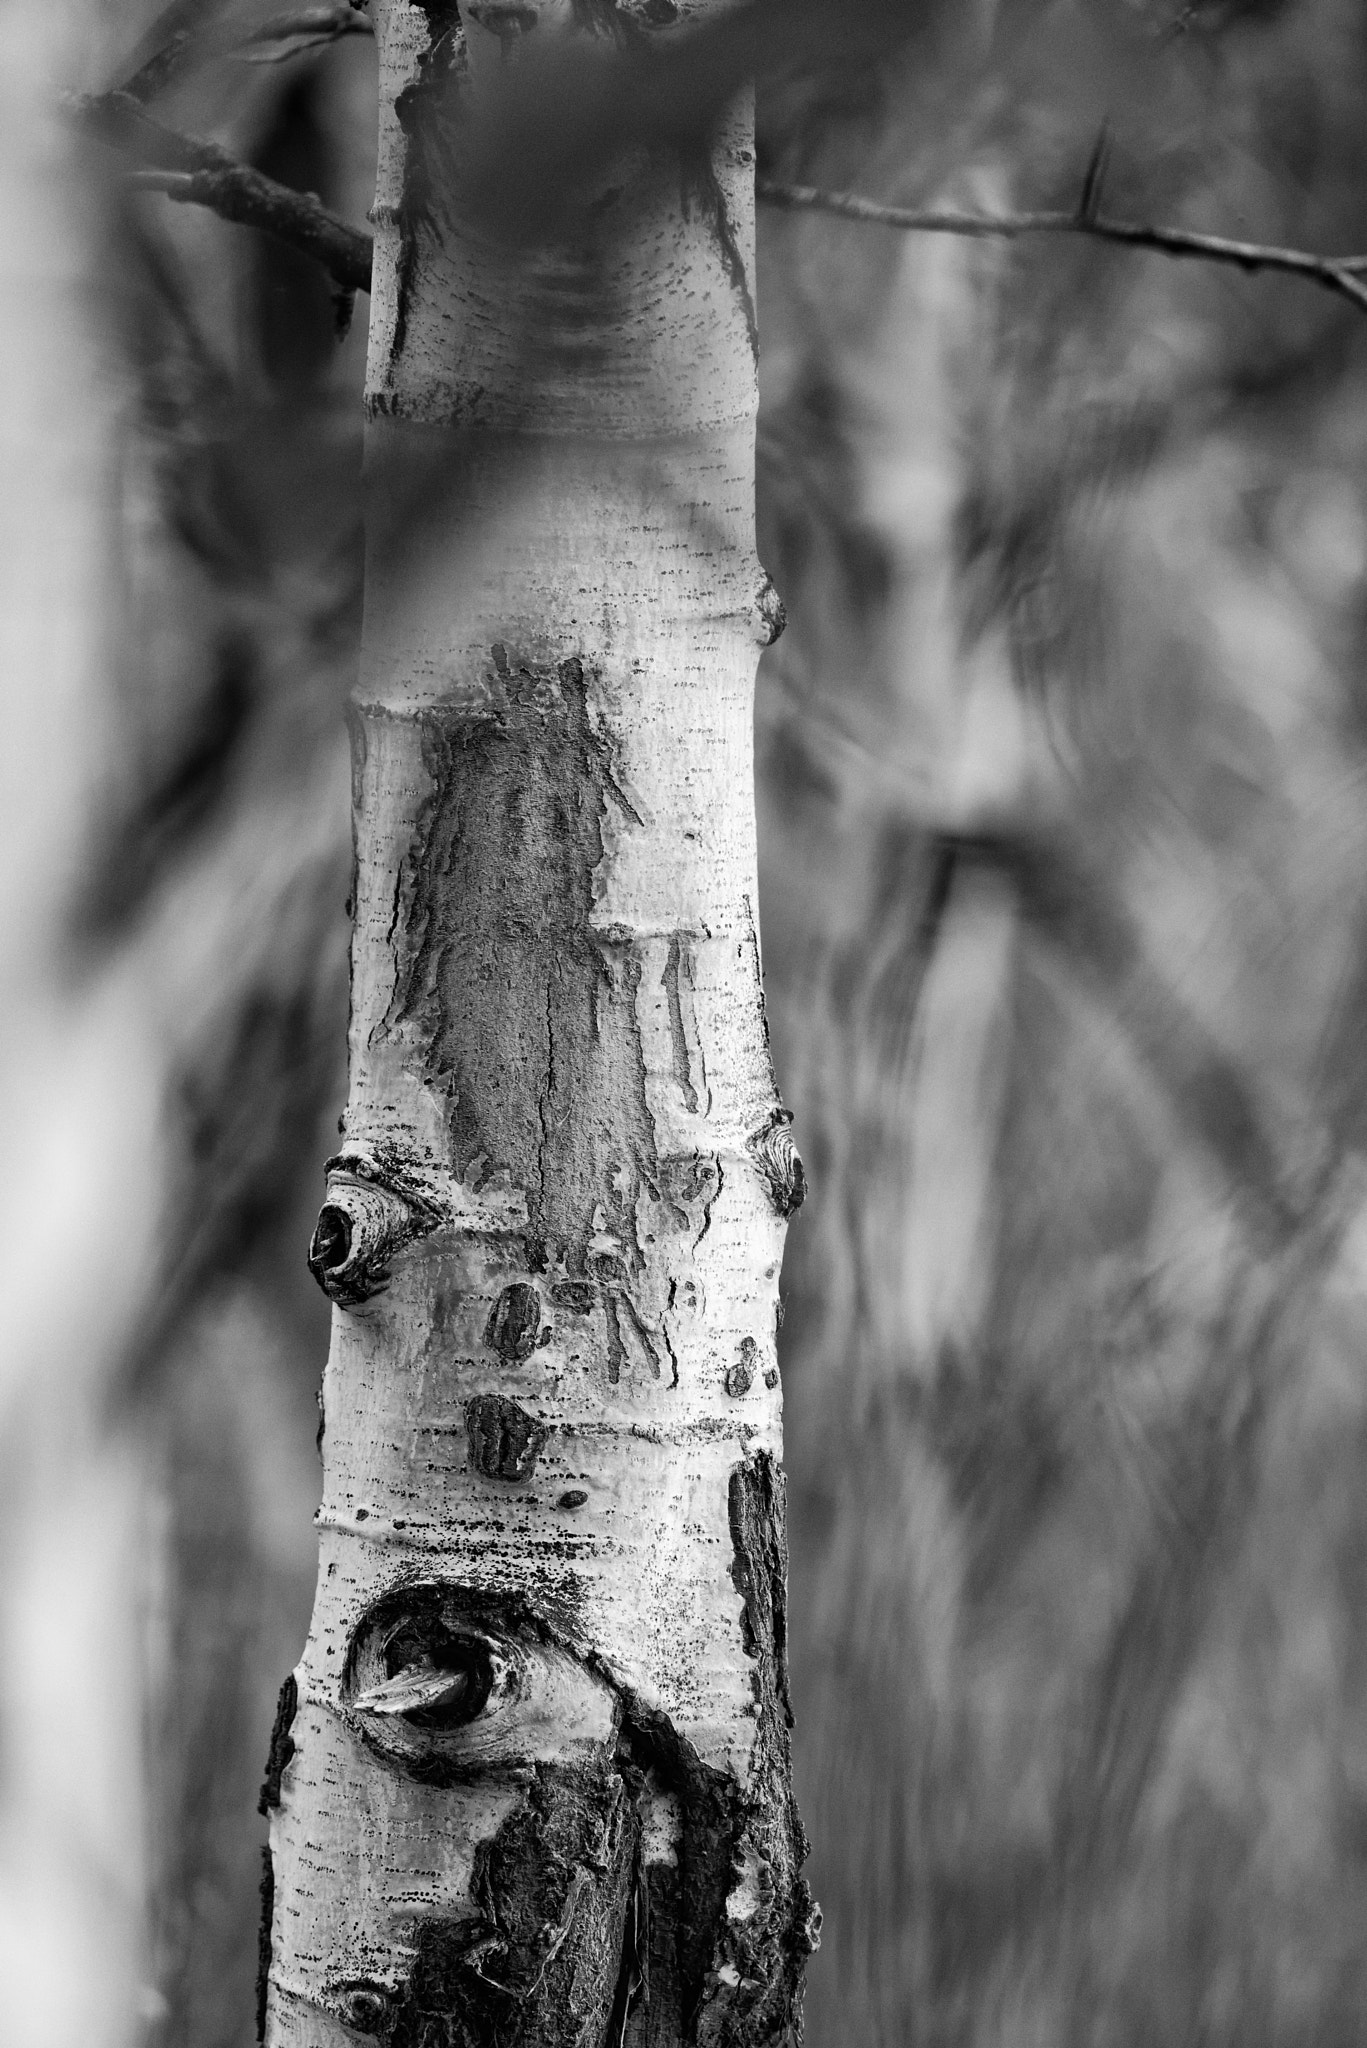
{"x": 509, "y": 842}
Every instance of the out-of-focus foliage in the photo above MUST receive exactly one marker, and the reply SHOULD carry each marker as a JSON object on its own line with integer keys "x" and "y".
{"x": 1065, "y": 899}
{"x": 1064, "y": 890}
{"x": 217, "y": 859}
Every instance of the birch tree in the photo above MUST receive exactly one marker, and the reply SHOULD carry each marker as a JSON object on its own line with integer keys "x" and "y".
{"x": 530, "y": 1781}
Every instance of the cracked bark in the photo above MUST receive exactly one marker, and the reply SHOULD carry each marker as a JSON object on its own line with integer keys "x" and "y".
{"x": 530, "y": 1783}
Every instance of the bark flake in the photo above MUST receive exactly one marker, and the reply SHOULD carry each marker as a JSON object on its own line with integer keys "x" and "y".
{"x": 282, "y": 1747}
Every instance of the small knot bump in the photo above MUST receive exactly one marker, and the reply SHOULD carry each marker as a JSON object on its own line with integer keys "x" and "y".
{"x": 514, "y": 1324}
{"x": 578, "y": 1295}
{"x": 365, "y": 2008}
{"x": 778, "y": 1159}
{"x": 771, "y": 1378}
{"x": 362, "y": 1223}
{"x": 575, "y": 1498}
{"x": 769, "y": 615}
{"x": 741, "y": 1376}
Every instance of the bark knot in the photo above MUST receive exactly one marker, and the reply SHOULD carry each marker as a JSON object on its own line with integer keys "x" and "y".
{"x": 778, "y": 1159}
{"x": 372, "y": 1211}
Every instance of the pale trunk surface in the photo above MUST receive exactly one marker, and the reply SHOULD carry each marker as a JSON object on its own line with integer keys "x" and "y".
{"x": 530, "y": 1782}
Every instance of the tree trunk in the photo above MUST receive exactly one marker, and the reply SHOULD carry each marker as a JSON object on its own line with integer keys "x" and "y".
{"x": 530, "y": 1783}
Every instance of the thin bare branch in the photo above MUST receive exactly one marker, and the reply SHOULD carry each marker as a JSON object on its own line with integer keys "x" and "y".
{"x": 169, "y": 45}
{"x": 191, "y": 33}
{"x": 198, "y": 172}
{"x": 1336, "y": 273}
{"x": 302, "y": 30}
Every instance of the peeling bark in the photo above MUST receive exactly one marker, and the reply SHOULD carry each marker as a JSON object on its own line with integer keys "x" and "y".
{"x": 533, "y": 1786}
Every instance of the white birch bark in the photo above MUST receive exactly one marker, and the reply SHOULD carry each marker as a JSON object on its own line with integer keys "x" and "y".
{"x": 530, "y": 1781}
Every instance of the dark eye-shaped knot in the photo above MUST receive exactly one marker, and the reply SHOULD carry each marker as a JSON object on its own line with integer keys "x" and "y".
{"x": 366, "y": 2009}
{"x": 362, "y": 1223}
{"x": 437, "y": 1678}
{"x": 776, "y": 1156}
{"x": 444, "y": 1686}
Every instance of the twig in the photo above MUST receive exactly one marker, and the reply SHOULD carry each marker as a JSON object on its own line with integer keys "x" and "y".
{"x": 236, "y": 193}
{"x": 190, "y": 170}
{"x": 305, "y": 30}
{"x": 168, "y": 47}
{"x": 182, "y": 40}
{"x": 1340, "y": 274}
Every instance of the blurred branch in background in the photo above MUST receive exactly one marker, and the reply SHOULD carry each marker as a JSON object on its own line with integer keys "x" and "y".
{"x": 183, "y": 771}
{"x": 684, "y": 90}
{"x": 1340, "y": 273}
{"x": 1074, "y": 552}
{"x": 191, "y": 33}
{"x": 1074, "y": 549}
{"x": 202, "y": 174}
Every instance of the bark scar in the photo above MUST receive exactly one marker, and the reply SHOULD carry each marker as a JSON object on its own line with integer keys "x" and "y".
{"x": 282, "y": 1747}
{"x": 513, "y": 1004}
{"x": 505, "y": 1442}
{"x": 701, "y": 182}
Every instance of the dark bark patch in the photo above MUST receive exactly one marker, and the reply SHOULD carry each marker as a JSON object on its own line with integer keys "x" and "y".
{"x": 751, "y": 1982}
{"x": 757, "y": 974}
{"x": 656, "y": 2020}
{"x": 724, "y": 1983}
{"x": 282, "y": 1746}
{"x": 679, "y": 967}
{"x": 525, "y": 1014}
{"x": 426, "y": 113}
{"x": 631, "y": 1346}
{"x": 578, "y": 1295}
{"x": 514, "y": 1324}
{"x": 505, "y": 1442}
{"x": 757, "y": 1506}
{"x": 541, "y": 1964}
{"x": 702, "y": 188}
{"x": 263, "y": 1941}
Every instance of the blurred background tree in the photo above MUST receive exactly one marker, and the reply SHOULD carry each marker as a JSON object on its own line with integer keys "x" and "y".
{"x": 1064, "y": 844}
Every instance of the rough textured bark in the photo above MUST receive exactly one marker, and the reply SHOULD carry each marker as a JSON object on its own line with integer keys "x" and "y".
{"x": 530, "y": 1782}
